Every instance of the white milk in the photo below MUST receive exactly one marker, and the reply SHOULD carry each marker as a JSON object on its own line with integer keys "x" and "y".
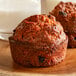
{"x": 12, "y": 12}
{"x": 48, "y": 5}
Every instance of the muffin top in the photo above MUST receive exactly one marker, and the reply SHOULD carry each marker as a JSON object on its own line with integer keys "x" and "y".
{"x": 65, "y": 13}
{"x": 40, "y": 30}
{"x": 64, "y": 8}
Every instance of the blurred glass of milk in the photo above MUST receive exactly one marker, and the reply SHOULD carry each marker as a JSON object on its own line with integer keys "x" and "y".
{"x": 12, "y": 12}
{"x": 48, "y": 5}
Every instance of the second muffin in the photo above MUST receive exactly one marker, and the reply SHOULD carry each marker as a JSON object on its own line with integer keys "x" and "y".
{"x": 65, "y": 13}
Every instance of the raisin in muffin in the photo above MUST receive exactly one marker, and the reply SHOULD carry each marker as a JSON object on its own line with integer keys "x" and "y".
{"x": 65, "y": 13}
{"x": 37, "y": 41}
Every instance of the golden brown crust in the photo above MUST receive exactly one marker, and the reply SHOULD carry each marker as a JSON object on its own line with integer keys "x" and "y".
{"x": 65, "y": 13}
{"x": 39, "y": 40}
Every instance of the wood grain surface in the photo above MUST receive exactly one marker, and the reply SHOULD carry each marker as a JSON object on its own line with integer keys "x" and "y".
{"x": 9, "y": 68}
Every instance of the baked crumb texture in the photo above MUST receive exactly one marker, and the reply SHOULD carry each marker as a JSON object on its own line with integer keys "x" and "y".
{"x": 38, "y": 41}
{"x": 65, "y": 13}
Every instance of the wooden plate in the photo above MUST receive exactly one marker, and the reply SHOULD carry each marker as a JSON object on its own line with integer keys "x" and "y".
{"x": 9, "y": 68}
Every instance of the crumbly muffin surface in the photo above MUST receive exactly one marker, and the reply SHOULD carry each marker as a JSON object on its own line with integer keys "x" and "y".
{"x": 65, "y": 13}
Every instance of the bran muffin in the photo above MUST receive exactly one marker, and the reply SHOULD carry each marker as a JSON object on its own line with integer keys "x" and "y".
{"x": 38, "y": 41}
{"x": 65, "y": 13}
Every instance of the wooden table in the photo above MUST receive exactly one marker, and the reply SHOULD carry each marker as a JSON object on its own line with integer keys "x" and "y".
{"x": 9, "y": 68}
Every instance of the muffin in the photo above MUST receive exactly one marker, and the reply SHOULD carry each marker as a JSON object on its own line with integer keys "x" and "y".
{"x": 65, "y": 13}
{"x": 38, "y": 41}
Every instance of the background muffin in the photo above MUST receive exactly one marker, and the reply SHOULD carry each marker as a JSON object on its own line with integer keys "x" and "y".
{"x": 66, "y": 14}
{"x": 38, "y": 40}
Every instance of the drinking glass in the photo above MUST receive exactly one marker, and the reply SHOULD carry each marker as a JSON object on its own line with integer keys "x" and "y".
{"x": 12, "y": 12}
